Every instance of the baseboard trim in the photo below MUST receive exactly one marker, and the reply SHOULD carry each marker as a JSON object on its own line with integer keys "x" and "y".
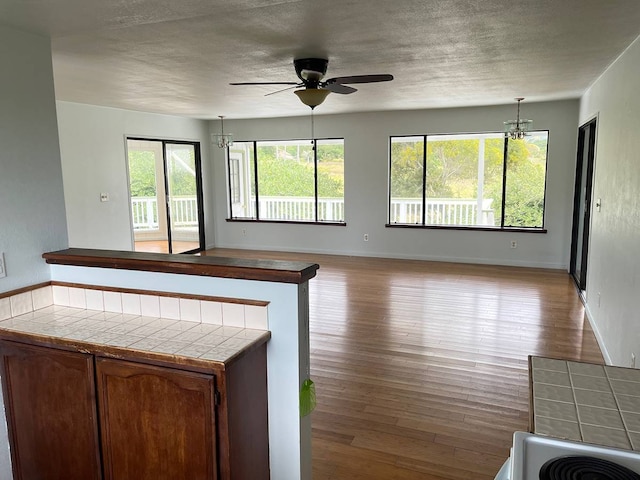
{"x": 428, "y": 258}
{"x": 596, "y": 331}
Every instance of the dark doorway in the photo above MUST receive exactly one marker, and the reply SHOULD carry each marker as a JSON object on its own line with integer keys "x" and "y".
{"x": 582, "y": 203}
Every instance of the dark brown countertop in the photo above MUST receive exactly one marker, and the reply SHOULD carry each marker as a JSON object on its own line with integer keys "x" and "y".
{"x": 223, "y": 267}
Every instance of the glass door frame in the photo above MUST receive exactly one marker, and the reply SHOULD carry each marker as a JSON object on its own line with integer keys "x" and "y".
{"x": 165, "y": 179}
{"x": 578, "y": 239}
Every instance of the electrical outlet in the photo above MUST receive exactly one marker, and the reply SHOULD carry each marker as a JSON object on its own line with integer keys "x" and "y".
{"x": 633, "y": 360}
{"x": 104, "y": 197}
{"x": 365, "y": 237}
{"x": 3, "y": 270}
{"x": 514, "y": 244}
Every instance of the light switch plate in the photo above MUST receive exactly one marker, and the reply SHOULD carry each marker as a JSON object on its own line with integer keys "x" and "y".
{"x": 3, "y": 270}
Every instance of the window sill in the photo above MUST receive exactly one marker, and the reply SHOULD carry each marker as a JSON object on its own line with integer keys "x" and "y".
{"x": 461, "y": 227}
{"x": 295, "y": 222}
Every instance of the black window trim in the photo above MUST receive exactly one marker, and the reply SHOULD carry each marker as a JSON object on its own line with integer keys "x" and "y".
{"x": 502, "y": 227}
{"x": 257, "y": 218}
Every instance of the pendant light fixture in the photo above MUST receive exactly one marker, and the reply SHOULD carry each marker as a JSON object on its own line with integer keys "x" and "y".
{"x": 221, "y": 139}
{"x": 517, "y": 129}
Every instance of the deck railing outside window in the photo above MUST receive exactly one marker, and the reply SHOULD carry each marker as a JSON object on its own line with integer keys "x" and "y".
{"x": 184, "y": 212}
{"x": 407, "y": 211}
{"x": 443, "y": 211}
{"x": 301, "y": 208}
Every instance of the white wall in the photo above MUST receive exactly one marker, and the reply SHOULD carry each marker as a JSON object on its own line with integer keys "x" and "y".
{"x": 614, "y": 251}
{"x": 366, "y": 184}
{"x": 32, "y": 215}
{"x": 92, "y": 144}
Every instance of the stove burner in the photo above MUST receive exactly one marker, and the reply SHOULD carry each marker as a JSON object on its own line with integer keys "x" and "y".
{"x": 585, "y": 468}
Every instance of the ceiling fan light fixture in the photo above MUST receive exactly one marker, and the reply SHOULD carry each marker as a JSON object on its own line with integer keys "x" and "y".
{"x": 311, "y": 72}
{"x": 312, "y": 97}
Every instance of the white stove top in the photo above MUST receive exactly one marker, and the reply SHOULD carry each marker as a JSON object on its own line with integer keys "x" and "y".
{"x": 530, "y": 452}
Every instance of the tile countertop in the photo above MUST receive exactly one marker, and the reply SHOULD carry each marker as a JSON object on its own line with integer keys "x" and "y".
{"x": 157, "y": 336}
{"x": 585, "y": 402}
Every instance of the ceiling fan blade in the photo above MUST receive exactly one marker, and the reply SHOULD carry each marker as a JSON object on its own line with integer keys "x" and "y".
{"x": 264, "y": 83}
{"x": 284, "y": 89}
{"x": 338, "y": 88}
{"x": 361, "y": 79}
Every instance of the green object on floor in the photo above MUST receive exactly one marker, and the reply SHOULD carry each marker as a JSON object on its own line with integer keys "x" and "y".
{"x": 307, "y": 397}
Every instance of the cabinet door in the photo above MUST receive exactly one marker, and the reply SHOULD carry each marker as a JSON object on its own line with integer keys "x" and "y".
{"x": 157, "y": 423}
{"x": 50, "y": 406}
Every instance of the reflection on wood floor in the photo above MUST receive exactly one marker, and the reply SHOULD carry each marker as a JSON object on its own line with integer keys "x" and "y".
{"x": 162, "y": 246}
{"x": 421, "y": 367}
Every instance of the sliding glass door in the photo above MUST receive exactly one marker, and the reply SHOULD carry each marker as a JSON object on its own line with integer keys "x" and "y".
{"x": 165, "y": 188}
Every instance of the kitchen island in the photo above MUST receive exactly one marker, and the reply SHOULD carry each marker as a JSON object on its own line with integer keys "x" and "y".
{"x": 155, "y": 383}
{"x": 234, "y": 293}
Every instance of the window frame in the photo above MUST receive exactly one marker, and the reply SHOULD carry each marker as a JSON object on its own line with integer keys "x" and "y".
{"x": 257, "y": 219}
{"x": 501, "y": 227}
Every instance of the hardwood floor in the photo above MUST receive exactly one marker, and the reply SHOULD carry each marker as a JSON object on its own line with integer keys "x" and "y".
{"x": 421, "y": 367}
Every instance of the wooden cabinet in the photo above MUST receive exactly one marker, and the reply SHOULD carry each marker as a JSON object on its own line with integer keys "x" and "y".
{"x": 51, "y": 413}
{"x": 157, "y": 420}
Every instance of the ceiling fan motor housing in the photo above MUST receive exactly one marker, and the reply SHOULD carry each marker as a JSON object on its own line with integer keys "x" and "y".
{"x": 311, "y": 70}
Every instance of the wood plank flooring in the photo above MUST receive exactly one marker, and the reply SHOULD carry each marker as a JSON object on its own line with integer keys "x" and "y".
{"x": 421, "y": 367}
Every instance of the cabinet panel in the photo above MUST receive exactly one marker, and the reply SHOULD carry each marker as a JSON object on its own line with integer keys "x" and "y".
{"x": 157, "y": 423}
{"x": 50, "y": 406}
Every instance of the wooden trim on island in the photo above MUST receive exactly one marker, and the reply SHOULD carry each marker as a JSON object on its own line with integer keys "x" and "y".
{"x": 158, "y": 293}
{"x": 193, "y": 364}
{"x": 222, "y": 267}
{"x": 18, "y": 291}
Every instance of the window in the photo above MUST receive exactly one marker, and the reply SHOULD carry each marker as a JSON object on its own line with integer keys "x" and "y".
{"x": 287, "y": 181}
{"x": 468, "y": 180}
{"x": 234, "y": 179}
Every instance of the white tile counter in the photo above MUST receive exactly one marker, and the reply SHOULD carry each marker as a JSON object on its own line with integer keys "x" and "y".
{"x": 585, "y": 402}
{"x": 164, "y": 337}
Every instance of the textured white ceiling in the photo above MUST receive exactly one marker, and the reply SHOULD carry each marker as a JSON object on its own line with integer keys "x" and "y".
{"x": 178, "y": 57}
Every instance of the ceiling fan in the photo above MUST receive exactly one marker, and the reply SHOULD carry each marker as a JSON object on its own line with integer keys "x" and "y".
{"x": 311, "y": 71}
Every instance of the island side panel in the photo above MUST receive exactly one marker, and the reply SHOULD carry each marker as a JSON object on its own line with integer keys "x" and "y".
{"x": 289, "y": 435}
{"x": 244, "y": 399}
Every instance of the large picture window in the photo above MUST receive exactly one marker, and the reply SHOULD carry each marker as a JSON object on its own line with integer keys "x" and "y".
{"x": 468, "y": 180}
{"x": 287, "y": 181}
